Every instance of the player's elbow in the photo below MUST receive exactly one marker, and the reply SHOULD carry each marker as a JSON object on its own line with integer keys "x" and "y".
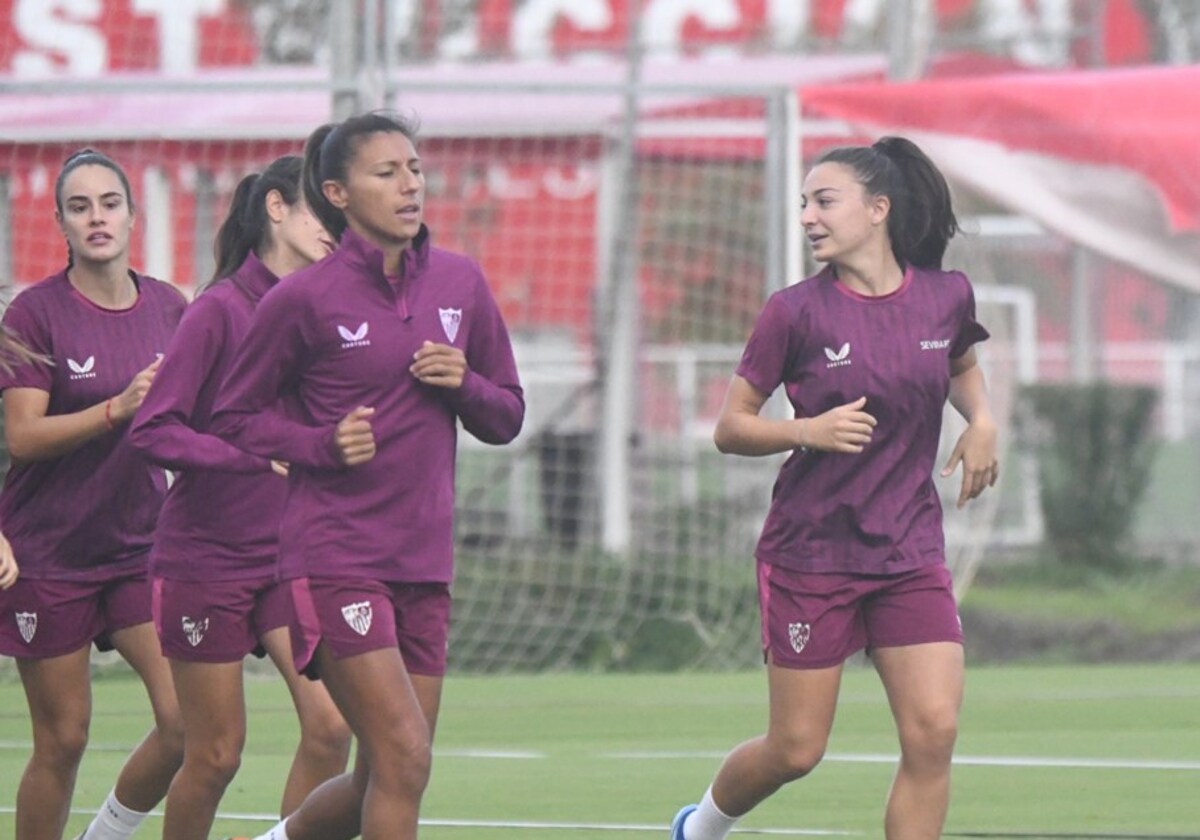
{"x": 22, "y": 442}
{"x": 500, "y": 433}
{"x": 724, "y": 437}
{"x": 17, "y": 449}
{"x": 141, "y": 438}
{"x": 225, "y": 424}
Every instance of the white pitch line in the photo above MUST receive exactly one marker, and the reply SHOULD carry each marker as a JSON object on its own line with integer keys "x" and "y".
{"x": 522, "y": 755}
{"x": 648, "y": 827}
{"x": 529, "y": 825}
{"x": 508, "y": 755}
{"x": 706, "y": 755}
{"x": 966, "y": 760}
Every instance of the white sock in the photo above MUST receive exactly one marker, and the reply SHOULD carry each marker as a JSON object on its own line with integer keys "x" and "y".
{"x": 114, "y": 821}
{"x": 279, "y": 832}
{"x": 708, "y": 822}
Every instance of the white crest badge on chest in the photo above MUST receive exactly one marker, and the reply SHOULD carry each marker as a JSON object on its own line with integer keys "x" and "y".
{"x": 451, "y": 321}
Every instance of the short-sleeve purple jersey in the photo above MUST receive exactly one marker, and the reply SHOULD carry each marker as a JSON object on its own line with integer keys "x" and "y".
{"x": 89, "y": 514}
{"x": 876, "y": 512}
{"x": 341, "y": 334}
{"x": 221, "y": 517}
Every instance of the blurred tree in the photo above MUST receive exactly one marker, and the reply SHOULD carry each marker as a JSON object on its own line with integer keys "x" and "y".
{"x": 1095, "y": 449}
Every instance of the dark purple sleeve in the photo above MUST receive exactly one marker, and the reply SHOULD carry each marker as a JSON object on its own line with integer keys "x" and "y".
{"x": 248, "y": 412}
{"x": 490, "y": 402}
{"x": 162, "y": 429}
{"x": 764, "y": 361}
{"x": 970, "y": 331}
{"x": 22, "y": 321}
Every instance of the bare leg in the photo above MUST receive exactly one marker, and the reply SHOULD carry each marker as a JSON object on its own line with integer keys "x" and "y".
{"x": 59, "y": 693}
{"x": 924, "y": 685}
{"x": 214, "y": 717}
{"x": 802, "y": 711}
{"x": 148, "y": 771}
{"x": 337, "y": 809}
{"x": 324, "y": 748}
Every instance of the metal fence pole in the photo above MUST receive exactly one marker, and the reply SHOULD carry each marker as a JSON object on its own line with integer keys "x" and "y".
{"x": 618, "y": 361}
{"x": 344, "y": 58}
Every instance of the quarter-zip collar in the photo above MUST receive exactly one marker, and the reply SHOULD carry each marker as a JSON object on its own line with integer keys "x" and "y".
{"x": 364, "y": 256}
{"x": 253, "y": 278}
{"x": 367, "y": 258}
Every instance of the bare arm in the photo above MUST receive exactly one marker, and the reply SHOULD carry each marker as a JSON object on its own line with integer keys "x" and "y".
{"x": 741, "y": 431}
{"x": 32, "y": 435}
{"x": 976, "y": 447}
{"x": 8, "y": 564}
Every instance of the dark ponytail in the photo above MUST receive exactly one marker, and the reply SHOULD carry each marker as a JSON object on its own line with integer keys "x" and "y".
{"x": 921, "y": 220}
{"x": 331, "y": 218}
{"x": 328, "y": 153}
{"x": 246, "y": 227}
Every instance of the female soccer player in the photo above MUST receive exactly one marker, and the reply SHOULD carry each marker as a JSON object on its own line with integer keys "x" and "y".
{"x": 219, "y": 590}
{"x": 852, "y": 553}
{"x": 79, "y": 505}
{"x": 386, "y": 344}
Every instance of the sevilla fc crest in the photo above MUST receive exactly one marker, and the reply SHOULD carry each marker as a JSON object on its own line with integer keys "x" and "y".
{"x": 27, "y": 625}
{"x": 798, "y": 635}
{"x": 194, "y": 630}
{"x": 358, "y": 616}
{"x": 451, "y": 320}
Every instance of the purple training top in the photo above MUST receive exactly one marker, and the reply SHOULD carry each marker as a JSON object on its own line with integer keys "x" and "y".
{"x": 876, "y": 512}
{"x": 340, "y": 334}
{"x": 221, "y": 517}
{"x": 88, "y": 515}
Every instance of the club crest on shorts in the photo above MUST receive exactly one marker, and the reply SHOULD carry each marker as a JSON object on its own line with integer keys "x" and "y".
{"x": 798, "y": 635}
{"x": 358, "y": 616}
{"x": 451, "y": 320}
{"x": 194, "y": 629}
{"x": 27, "y": 625}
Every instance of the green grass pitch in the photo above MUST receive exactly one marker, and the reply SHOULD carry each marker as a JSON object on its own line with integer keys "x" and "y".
{"x": 1043, "y": 751}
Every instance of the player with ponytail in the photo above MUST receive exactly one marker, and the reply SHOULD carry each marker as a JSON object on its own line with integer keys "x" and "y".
{"x": 852, "y": 554}
{"x": 387, "y": 346}
{"x": 220, "y": 588}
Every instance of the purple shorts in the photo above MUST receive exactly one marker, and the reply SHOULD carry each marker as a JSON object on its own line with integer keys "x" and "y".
{"x": 41, "y": 619}
{"x": 814, "y": 620}
{"x": 357, "y": 616}
{"x": 218, "y": 621}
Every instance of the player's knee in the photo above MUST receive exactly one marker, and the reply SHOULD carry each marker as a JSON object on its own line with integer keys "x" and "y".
{"x": 169, "y": 729}
{"x": 63, "y": 743}
{"x": 931, "y": 737}
{"x": 216, "y": 763}
{"x": 794, "y": 758}
{"x": 405, "y": 762}
{"x": 326, "y": 733}
{"x": 168, "y": 725}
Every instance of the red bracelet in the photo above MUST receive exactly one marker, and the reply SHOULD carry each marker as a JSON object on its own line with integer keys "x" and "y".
{"x": 108, "y": 414}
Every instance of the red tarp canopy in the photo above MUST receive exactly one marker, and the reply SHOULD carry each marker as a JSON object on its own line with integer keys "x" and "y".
{"x": 1108, "y": 158}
